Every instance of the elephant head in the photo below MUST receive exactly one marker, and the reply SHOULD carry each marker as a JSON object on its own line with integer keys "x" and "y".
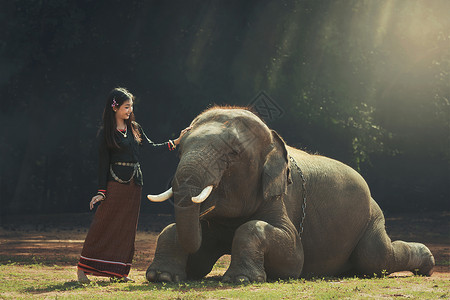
{"x": 231, "y": 163}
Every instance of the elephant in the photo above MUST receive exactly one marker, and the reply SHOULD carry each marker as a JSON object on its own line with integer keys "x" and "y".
{"x": 280, "y": 212}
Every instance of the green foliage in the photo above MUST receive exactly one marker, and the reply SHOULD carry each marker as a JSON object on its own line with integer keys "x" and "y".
{"x": 361, "y": 81}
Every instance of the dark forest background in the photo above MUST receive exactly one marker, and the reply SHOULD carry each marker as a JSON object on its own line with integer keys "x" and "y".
{"x": 364, "y": 82}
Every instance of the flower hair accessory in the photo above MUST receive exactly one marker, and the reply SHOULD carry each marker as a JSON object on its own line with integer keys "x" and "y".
{"x": 114, "y": 103}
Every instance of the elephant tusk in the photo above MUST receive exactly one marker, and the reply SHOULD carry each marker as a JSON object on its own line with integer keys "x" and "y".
{"x": 161, "y": 197}
{"x": 203, "y": 195}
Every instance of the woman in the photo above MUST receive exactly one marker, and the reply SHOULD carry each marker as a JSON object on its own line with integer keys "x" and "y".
{"x": 109, "y": 246}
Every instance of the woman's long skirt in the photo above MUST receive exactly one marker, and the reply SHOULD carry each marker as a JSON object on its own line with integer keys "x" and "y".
{"x": 109, "y": 246}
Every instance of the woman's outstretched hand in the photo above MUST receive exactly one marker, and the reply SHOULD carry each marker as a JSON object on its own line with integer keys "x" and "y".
{"x": 95, "y": 199}
{"x": 182, "y": 133}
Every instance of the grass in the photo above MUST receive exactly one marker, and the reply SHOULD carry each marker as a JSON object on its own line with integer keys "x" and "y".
{"x": 41, "y": 264}
{"x": 38, "y": 280}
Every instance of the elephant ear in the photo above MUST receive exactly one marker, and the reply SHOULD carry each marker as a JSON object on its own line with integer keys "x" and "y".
{"x": 276, "y": 172}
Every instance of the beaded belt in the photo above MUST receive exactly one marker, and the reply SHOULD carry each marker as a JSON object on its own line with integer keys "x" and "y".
{"x": 126, "y": 164}
{"x": 136, "y": 167}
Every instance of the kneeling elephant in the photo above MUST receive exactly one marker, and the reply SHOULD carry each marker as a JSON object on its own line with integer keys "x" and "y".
{"x": 279, "y": 211}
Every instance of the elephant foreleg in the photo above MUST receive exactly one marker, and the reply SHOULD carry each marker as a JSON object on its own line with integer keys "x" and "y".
{"x": 169, "y": 263}
{"x": 261, "y": 250}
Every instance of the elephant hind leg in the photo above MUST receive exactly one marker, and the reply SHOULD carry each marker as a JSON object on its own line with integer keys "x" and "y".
{"x": 376, "y": 253}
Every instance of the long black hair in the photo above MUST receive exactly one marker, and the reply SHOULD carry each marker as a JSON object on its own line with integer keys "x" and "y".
{"x": 115, "y": 99}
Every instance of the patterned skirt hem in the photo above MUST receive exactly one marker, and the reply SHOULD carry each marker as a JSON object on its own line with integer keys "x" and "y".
{"x": 107, "y": 269}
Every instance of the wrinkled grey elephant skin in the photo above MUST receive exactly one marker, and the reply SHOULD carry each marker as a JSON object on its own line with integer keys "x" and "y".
{"x": 254, "y": 211}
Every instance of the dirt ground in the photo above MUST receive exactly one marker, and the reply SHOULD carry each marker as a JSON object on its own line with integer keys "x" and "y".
{"x": 58, "y": 241}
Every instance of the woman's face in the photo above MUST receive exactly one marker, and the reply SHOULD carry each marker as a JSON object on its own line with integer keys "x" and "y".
{"x": 125, "y": 110}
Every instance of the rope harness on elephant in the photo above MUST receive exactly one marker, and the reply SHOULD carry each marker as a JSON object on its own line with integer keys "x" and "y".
{"x": 293, "y": 162}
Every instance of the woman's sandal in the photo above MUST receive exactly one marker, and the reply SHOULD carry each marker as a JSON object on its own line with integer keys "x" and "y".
{"x": 82, "y": 278}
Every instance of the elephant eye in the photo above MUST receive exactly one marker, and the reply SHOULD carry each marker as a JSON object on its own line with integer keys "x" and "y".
{"x": 233, "y": 154}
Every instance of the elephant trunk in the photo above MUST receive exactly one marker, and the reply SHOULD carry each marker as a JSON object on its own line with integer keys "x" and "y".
{"x": 188, "y": 221}
{"x": 188, "y": 227}
{"x": 192, "y": 185}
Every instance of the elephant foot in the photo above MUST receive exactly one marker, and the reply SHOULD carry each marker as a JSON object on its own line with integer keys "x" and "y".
{"x": 164, "y": 276}
{"x": 244, "y": 277}
{"x": 161, "y": 270}
{"x": 169, "y": 262}
{"x": 425, "y": 258}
